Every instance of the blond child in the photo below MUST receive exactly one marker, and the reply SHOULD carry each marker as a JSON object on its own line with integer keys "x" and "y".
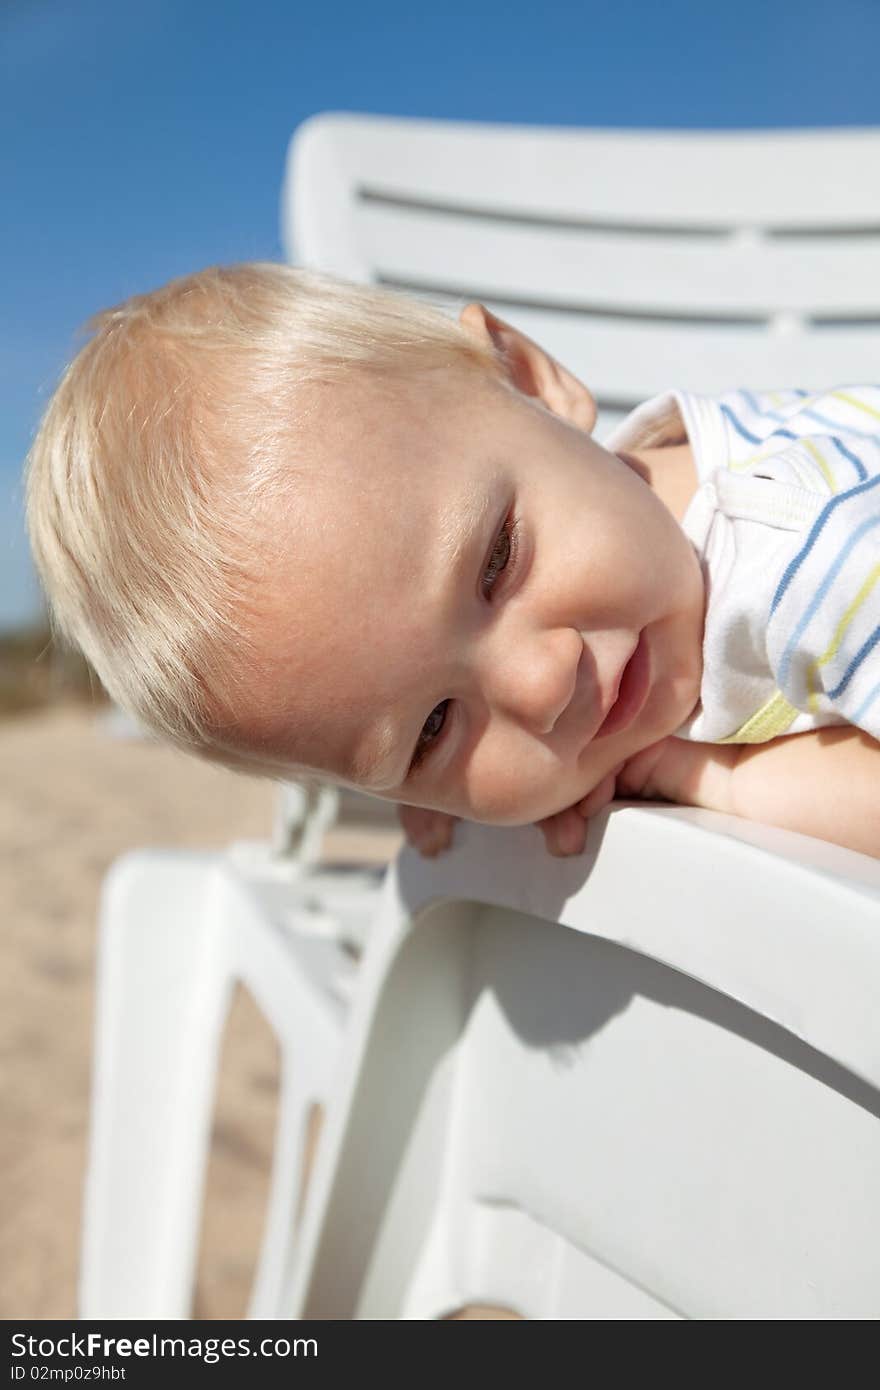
{"x": 300, "y": 526}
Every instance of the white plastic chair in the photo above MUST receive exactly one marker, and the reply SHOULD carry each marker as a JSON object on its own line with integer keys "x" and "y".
{"x": 641, "y": 260}
{"x": 643, "y": 1083}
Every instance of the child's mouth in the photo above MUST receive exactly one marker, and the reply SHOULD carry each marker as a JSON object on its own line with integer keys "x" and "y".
{"x": 631, "y": 692}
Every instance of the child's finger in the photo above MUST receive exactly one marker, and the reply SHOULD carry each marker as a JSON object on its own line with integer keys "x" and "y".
{"x": 436, "y": 841}
{"x": 596, "y": 800}
{"x": 636, "y": 776}
{"x": 565, "y": 833}
{"x": 430, "y": 832}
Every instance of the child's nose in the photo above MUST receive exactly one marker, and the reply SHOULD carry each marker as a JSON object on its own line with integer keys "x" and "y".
{"x": 534, "y": 681}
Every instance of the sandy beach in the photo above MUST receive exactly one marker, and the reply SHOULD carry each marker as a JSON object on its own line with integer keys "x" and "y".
{"x": 73, "y": 798}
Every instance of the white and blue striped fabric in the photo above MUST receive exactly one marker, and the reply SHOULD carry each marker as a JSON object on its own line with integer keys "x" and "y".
{"x": 786, "y": 520}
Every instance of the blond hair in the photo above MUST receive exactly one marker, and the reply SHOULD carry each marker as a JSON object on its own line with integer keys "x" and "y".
{"x": 165, "y": 435}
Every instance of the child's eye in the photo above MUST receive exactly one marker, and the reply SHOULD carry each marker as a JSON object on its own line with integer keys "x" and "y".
{"x": 502, "y": 556}
{"x": 431, "y": 731}
{"x": 502, "y": 559}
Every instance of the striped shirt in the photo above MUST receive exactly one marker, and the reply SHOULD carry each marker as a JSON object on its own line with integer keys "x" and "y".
{"x": 786, "y": 522}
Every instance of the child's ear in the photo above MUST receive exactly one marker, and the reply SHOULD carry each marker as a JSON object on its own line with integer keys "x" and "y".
{"x": 531, "y": 370}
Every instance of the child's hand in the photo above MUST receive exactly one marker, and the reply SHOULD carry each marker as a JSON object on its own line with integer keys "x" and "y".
{"x": 673, "y": 769}
{"x": 690, "y": 774}
{"x": 566, "y": 832}
{"x": 429, "y": 831}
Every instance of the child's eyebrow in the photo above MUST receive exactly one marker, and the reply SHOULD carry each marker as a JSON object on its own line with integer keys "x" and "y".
{"x": 462, "y": 524}
{"x": 371, "y": 770}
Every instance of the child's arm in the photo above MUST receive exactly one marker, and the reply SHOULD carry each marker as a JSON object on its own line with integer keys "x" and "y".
{"x": 825, "y": 783}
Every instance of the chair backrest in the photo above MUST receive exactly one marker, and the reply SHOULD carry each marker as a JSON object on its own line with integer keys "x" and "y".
{"x": 576, "y": 1090}
{"x": 642, "y": 260}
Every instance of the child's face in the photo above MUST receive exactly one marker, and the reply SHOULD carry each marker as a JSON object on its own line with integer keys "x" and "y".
{"x": 469, "y": 574}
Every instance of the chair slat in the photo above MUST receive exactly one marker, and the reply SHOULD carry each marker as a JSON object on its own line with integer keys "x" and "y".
{"x": 733, "y": 276}
{"x": 711, "y": 179}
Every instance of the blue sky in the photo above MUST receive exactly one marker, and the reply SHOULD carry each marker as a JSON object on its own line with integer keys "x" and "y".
{"x": 144, "y": 141}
